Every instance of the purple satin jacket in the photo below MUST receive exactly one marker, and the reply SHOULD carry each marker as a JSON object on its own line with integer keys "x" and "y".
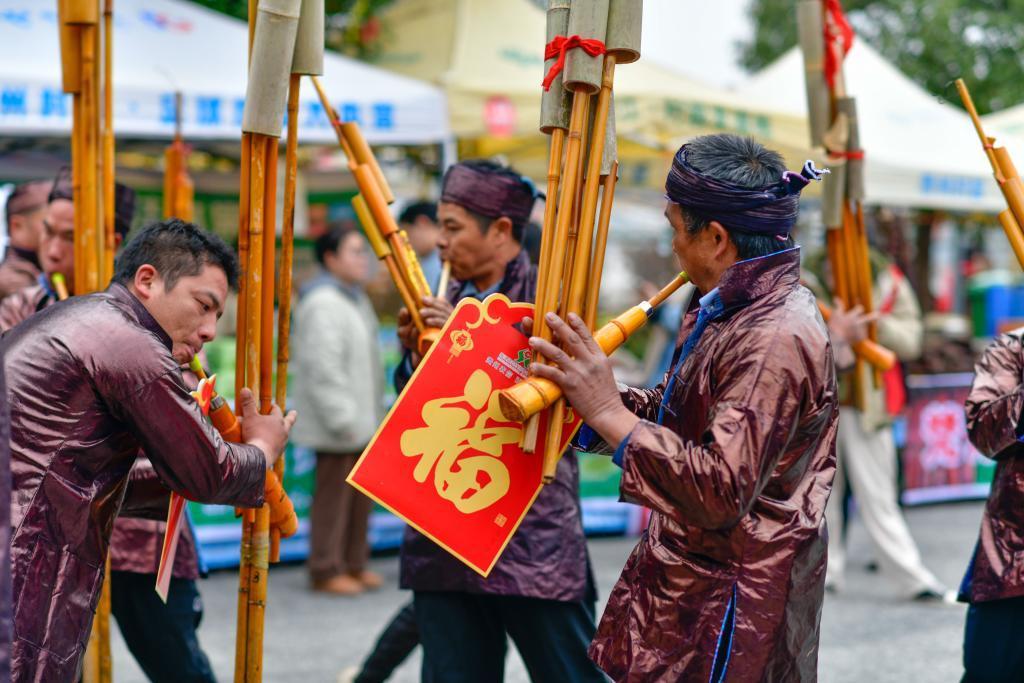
{"x": 547, "y": 557}
{"x": 737, "y": 476}
{"x": 91, "y": 382}
{"x": 995, "y": 407}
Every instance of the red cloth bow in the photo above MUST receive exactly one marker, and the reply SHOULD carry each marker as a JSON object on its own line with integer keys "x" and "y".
{"x": 560, "y": 45}
{"x": 837, "y": 30}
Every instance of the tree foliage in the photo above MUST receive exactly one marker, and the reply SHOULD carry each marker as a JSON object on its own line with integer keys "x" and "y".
{"x": 934, "y": 42}
{"x": 351, "y": 26}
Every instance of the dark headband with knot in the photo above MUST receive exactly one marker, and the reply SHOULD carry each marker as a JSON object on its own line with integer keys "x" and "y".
{"x": 490, "y": 193}
{"x": 770, "y": 210}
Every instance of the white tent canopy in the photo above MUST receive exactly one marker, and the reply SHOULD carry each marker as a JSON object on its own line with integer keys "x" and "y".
{"x": 920, "y": 152}
{"x": 163, "y": 46}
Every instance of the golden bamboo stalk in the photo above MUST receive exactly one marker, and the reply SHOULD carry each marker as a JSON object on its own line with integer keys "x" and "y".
{"x": 600, "y": 246}
{"x": 442, "y": 283}
{"x": 1006, "y": 177}
{"x": 109, "y": 242}
{"x": 284, "y": 286}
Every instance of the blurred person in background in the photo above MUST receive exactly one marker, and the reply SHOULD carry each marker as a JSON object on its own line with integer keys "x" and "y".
{"x": 994, "y": 583}
{"x": 25, "y": 211}
{"x": 339, "y": 387}
{"x": 57, "y": 249}
{"x": 866, "y": 450}
{"x": 419, "y": 220}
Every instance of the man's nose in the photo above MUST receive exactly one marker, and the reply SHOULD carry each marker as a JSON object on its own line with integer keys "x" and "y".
{"x": 208, "y": 330}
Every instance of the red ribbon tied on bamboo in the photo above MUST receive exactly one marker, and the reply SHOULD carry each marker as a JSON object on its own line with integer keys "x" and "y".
{"x": 560, "y": 45}
{"x": 838, "y": 39}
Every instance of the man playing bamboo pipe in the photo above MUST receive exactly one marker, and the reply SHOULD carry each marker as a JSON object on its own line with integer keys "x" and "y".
{"x": 25, "y": 209}
{"x": 93, "y": 381}
{"x": 57, "y": 249}
{"x": 734, "y": 452}
{"x": 540, "y": 592}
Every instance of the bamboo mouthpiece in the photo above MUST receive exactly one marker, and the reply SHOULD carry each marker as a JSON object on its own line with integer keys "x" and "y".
{"x": 529, "y": 397}
{"x": 60, "y": 285}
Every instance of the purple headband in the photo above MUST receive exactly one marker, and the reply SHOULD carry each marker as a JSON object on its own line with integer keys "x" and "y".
{"x": 769, "y": 210}
{"x": 490, "y": 193}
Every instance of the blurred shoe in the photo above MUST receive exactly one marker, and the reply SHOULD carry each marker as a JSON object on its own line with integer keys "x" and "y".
{"x": 934, "y": 597}
{"x": 339, "y": 585}
{"x": 871, "y": 567}
{"x": 348, "y": 674}
{"x": 371, "y": 581}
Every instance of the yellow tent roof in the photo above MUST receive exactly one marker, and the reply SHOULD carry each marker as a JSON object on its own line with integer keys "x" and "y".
{"x": 488, "y": 57}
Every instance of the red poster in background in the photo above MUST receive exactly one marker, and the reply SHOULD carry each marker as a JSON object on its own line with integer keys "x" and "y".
{"x": 445, "y": 459}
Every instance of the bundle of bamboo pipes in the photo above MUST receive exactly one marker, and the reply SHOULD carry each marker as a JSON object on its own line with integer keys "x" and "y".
{"x": 286, "y": 42}
{"x": 590, "y": 39}
{"x": 86, "y": 46}
{"x": 389, "y": 243}
{"x": 1012, "y": 218}
{"x": 825, "y": 37}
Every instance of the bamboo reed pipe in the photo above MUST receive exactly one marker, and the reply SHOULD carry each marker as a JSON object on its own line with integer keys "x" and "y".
{"x": 533, "y": 395}
{"x": 254, "y": 280}
{"x": 332, "y": 116}
{"x": 109, "y": 246}
{"x": 258, "y": 574}
{"x": 383, "y": 252}
{"x": 600, "y": 246}
{"x": 1006, "y": 177}
{"x": 364, "y": 155}
{"x": 284, "y": 287}
{"x": 60, "y": 286}
{"x": 241, "y": 339}
{"x": 87, "y": 210}
{"x": 547, "y": 241}
{"x": 442, "y": 283}
{"x": 242, "y": 623}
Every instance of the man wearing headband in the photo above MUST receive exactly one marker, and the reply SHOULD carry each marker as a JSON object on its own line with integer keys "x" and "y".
{"x": 540, "y": 593}
{"x": 734, "y": 452}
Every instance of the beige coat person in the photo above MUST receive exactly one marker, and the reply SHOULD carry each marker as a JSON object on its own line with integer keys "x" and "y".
{"x": 339, "y": 379}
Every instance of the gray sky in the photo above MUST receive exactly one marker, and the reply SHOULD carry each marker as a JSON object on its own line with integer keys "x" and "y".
{"x": 697, "y": 37}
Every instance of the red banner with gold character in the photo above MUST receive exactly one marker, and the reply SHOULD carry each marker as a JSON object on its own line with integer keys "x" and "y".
{"x": 445, "y": 459}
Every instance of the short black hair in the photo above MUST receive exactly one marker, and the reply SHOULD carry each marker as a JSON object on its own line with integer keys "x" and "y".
{"x": 741, "y": 161}
{"x": 175, "y": 249}
{"x": 331, "y": 240}
{"x": 416, "y": 209}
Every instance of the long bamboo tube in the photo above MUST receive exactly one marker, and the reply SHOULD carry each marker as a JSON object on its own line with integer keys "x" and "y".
{"x": 284, "y": 286}
{"x": 600, "y": 245}
{"x": 547, "y": 243}
{"x": 267, "y": 295}
{"x": 442, "y": 283}
{"x": 533, "y": 395}
{"x": 1011, "y": 186}
{"x": 108, "y": 246}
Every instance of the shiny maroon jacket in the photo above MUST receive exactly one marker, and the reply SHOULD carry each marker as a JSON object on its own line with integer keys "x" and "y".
{"x": 91, "y": 381}
{"x": 135, "y": 542}
{"x": 737, "y": 480}
{"x": 994, "y": 411}
{"x": 547, "y": 557}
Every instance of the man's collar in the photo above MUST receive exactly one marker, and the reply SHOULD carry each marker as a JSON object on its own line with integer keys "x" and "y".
{"x": 746, "y": 281}
{"x": 121, "y": 293}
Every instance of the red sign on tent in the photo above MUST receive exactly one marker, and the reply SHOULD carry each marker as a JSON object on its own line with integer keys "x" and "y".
{"x": 445, "y": 459}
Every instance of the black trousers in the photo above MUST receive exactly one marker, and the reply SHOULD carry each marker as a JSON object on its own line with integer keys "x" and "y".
{"x": 464, "y": 638}
{"x": 396, "y": 643}
{"x": 994, "y": 642}
{"x": 162, "y": 638}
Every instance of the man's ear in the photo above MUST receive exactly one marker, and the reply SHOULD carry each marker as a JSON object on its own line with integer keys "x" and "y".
{"x": 146, "y": 278}
{"x": 502, "y": 228}
{"x": 722, "y": 243}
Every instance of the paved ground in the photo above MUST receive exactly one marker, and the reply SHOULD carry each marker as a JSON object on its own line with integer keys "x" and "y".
{"x": 868, "y": 633}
